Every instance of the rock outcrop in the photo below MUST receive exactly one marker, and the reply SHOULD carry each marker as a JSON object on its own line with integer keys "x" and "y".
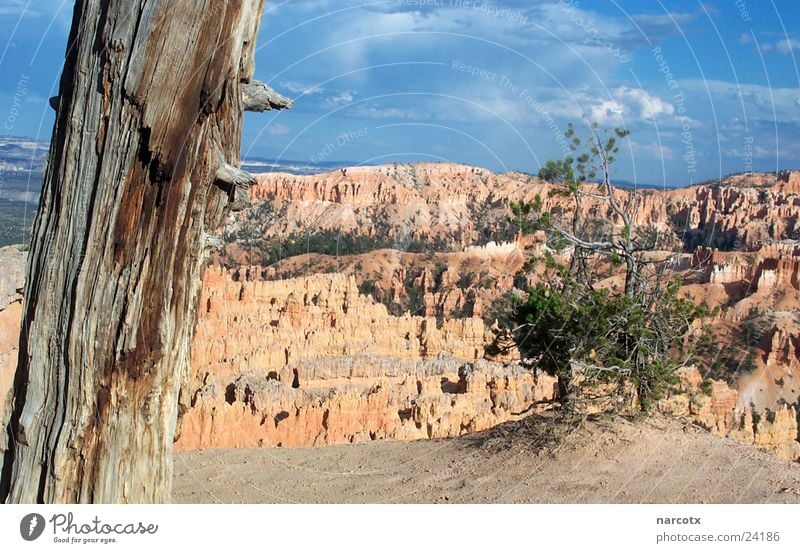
{"x": 281, "y": 359}
{"x": 12, "y": 281}
{"x": 310, "y": 361}
{"x": 716, "y": 406}
{"x": 758, "y": 297}
{"x": 364, "y": 398}
{"x": 464, "y": 205}
{"x": 251, "y": 324}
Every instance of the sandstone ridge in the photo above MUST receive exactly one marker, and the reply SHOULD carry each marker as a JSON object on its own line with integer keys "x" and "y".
{"x": 467, "y": 205}
{"x": 310, "y": 361}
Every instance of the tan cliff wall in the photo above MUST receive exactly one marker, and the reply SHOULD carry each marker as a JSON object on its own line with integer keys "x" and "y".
{"x": 761, "y": 289}
{"x": 440, "y": 199}
{"x": 377, "y": 392}
{"x": 382, "y": 390}
{"x": 12, "y": 281}
{"x": 415, "y": 400}
{"x": 310, "y": 361}
{"x": 455, "y": 284}
{"x": 717, "y": 409}
{"x": 350, "y": 371}
{"x": 251, "y": 324}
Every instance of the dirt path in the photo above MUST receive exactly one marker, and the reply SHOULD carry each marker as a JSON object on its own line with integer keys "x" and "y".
{"x": 658, "y": 461}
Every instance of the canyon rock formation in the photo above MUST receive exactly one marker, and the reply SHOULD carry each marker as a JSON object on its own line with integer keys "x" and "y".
{"x": 310, "y": 361}
{"x": 435, "y": 244}
{"x": 396, "y": 338}
{"x": 453, "y": 205}
{"x": 717, "y": 409}
{"x": 12, "y": 282}
{"x": 759, "y": 317}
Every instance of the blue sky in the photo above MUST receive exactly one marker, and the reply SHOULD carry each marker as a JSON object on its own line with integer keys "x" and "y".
{"x": 707, "y": 88}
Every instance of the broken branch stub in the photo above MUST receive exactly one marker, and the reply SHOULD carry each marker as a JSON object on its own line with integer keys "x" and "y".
{"x": 256, "y": 96}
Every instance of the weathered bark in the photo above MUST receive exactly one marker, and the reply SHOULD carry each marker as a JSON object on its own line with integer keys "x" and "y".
{"x": 149, "y": 110}
{"x": 235, "y": 181}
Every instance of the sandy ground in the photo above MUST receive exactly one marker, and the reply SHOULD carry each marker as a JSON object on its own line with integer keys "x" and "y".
{"x": 655, "y": 461}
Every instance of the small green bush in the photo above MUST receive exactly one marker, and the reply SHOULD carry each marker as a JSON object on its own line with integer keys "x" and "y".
{"x": 619, "y": 338}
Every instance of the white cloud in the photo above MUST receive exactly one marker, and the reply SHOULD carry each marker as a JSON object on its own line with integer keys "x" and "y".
{"x": 300, "y": 88}
{"x": 628, "y": 105}
{"x": 788, "y": 45}
{"x": 785, "y": 46}
{"x": 341, "y": 99}
{"x": 18, "y": 8}
{"x": 352, "y": 39}
{"x": 663, "y": 20}
{"x": 278, "y": 129}
{"x": 787, "y": 151}
{"x": 642, "y": 104}
{"x": 624, "y": 106}
{"x": 607, "y": 111}
{"x": 374, "y": 111}
{"x": 337, "y": 99}
{"x": 762, "y": 152}
{"x": 654, "y": 150}
{"x": 760, "y": 102}
{"x": 39, "y": 12}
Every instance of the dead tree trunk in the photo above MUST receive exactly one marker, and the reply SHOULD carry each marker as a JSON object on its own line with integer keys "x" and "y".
{"x": 147, "y": 133}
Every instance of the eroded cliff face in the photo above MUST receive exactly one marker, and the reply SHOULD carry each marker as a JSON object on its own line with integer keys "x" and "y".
{"x": 455, "y": 210}
{"x": 447, "y": 285}
{"x": 359, "y": 399}
{"x": 395, "y": 201}
{"x": 251, "y": 324}
{"x": 281, "y": 359}
{"x": 458, "y": 205}
{"x": 443, "y": 229}
{"x": 343, "y": 371}
{"x": 716, "y": 407}
{"x": 311, "y": 361}
{"x": 758, "y": 297}
{"x": 12, "y": 282}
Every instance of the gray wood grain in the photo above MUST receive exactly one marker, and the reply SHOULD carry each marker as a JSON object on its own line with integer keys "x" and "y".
{"x": 150, "y": 97}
